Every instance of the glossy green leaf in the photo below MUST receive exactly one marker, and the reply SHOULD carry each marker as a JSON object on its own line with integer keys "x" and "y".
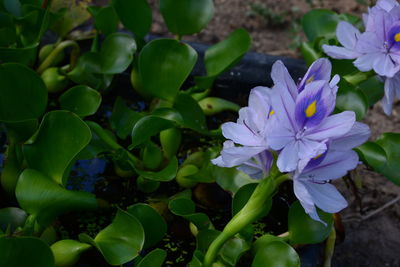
{"x": 12, "y": 217}
{"x": 184, "y": 17}
{"x": 185, "y": 208}
{"x": 13, "y": 6}
{"x": 373, "y": 155}
{"x": 175, "y": 61}
{"x": 81, "y": 99}
{"x": 153, "y": 223}
{"x": 320, "y": 23}
{"x": 61, "y": 136}
{"x": 230, "y": 179}
{"x": 147, "y": 127}
{"x": 24, "y": 55}
{"x": 43, "y": 198}
{"x": 276, "y": 253}
{"x": 106, "y": 19}
{"x": 123, "y": 118}
{"x": 233, "y": 249}
{"x": 165, "y": 175}
{"x": 122, "y": 240}
{"x": 219, "y": 57}
{"x": 372, "y": 89}
{"x": 349, "y": 98}
{"x": 135, "y": 15}
{"x": 204, "y": 239}
{"x": 116, "y": 53}
{"x": 67, "y": 252}
{"x": 303, "y": 229}
{"x": 23, "y": 93}
{"x": 390, "y": 142}
{"x": 264, "y": 241}
{"x": 170, "y": 140}
{"x": 25, "y": 251}
{"x": 192, "y": 114}
{"x": 155, "y": 258}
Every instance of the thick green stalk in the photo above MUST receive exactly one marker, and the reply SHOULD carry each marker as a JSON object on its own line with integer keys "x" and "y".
{"x": 248, "y": 214}
{"x": 53, "y": 55}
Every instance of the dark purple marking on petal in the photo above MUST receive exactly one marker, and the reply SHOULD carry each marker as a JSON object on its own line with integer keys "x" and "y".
{"x": 393, "y": 37}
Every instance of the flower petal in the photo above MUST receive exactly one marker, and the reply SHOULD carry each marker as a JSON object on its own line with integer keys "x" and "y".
{"x": 283, "y": 105}
{"x": 339, "y": 52}
{"x": 365, "y": 62}
{"x": 347, "y": 34}
{"x": 388, "y": 98}
{"x": 384, "y": 66}
{"x": 232, "y": 156}
{"x": 326, "y": 197}
{"x": 357, "y": 135}
{"x": 368, "y": 42}
{"x": 241, "y": 134}
{"x": 280, "y": 74}
{"x": 288, "y": 157}
{"x": 335, "y": 165}
{"x": 333, "y": 126}
{"x": 305, "y": 199}
{"x": 319, "y": 70}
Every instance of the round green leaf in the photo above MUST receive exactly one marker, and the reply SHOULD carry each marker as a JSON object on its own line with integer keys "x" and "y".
{"x": 185, "y": 17}
{"x": 45, "y": 199}
{"x": 106, "y": 19}
{"x": 372, "y": 89}
{"x": 135, "y": 15}
{"x": 390, "y": 142}
{"x": 373, "y": 155}
{"x": 153, "y": 223}
{"x": 165, "y": 175}
{"x": 123, "y": 118}
{"x": 147, "y": 127}
{"x": 23, "y": 93}
{"x": 61, "y": 136}
{"x": 276, "y": 254}
{"x": 25, "y": 251}
{"x": 233, "y": 249}
{"x": 303, "y": 229}
{"x": 350, "y": 98}
{"x": 81, "y": 99}
{"x": 12, "y": 217}
{"x": 117, "y": 53}
{"x": 67, "y": 252}
{"x": 185, "y": 208}
{"x": 320, "y": 22}
{"x": 164, "y": 65}
{"x": 153, "y": 259}
{"x": 221, "y": 56}
{"x": 192, "y": 114}
{"x": 122, "y": 240}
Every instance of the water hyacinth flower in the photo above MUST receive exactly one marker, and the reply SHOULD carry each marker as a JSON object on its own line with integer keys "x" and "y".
{"x": 304, "y": 121}
{"x": 378, "y": 48}
{"x": 311, "y": 185}
{"x": 249, "y": 133}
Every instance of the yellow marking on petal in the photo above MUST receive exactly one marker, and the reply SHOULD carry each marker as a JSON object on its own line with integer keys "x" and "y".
{"x": 397, "y": 37}
{"x": 317, "y": 157}
{"x": 311, "y": 109}
{"x": 309, "y": 80}
{"x": 272, "y": 112}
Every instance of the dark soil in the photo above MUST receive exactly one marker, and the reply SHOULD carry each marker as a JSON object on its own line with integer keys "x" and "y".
{"x": 275, "y": 29}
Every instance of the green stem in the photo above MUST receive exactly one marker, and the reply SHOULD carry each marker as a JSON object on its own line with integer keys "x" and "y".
{"x": 358, "y": 77}
{"x": 53, "y": 55}
{"x": 29, "y": 226}
{"x": 248, "y": 214}
{"x": 330, "y": 247}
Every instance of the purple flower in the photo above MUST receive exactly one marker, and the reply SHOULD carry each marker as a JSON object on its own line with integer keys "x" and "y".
{"x": 311, "y": 185}
{"x": 377, "y": 48}
{"x": 249, "y": 133}
{"x": 304, "y": 125}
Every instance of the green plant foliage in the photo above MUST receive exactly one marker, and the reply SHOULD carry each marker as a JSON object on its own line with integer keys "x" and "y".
{"x": 350, "y": 98}
{"x": 44, "y": 199}
{"x": 67, "y": 252}
{"x": 223, "y": 55}
{"x": 121, "y": 241}
{"x": 23, "y": 93}
{"x": 147, "y": 127}
{"x": 320, "y": 23}
{"x": 383, "y": 155}
{"x": 184, "y": 17}
{"x": 241, "y": 197}
{"x": 214, "y": 105}
{"x": 303, "y": 229}
{"x": 61, "y": 136}
{"x": 372, "y": 89}
{"x": 153, "y": 223}
{"x": 175, "y": 61}
{"x": 123, "y": 119}
{"x": 230, "y": 179}
{"x": 135, "y": 15}
{"x": 81, "y": 99}
{"x": 192, "y": 114}
{"x": 167, "y": 174}
{"x": 106, "y": 19}
{"x": 170, "y": 140}
{"x": 232, "y": 250}
{"x": 185, "y": 207}
{"x": 25, "y": 251}
{"x": 12, "y": 217}
{"x": 276, "y": 253}
{"x": 154, "y": 258}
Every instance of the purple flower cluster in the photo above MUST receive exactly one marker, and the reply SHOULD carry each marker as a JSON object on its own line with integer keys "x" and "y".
{"x": 378, "y": 48}
{"x": 296, "y": 121}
